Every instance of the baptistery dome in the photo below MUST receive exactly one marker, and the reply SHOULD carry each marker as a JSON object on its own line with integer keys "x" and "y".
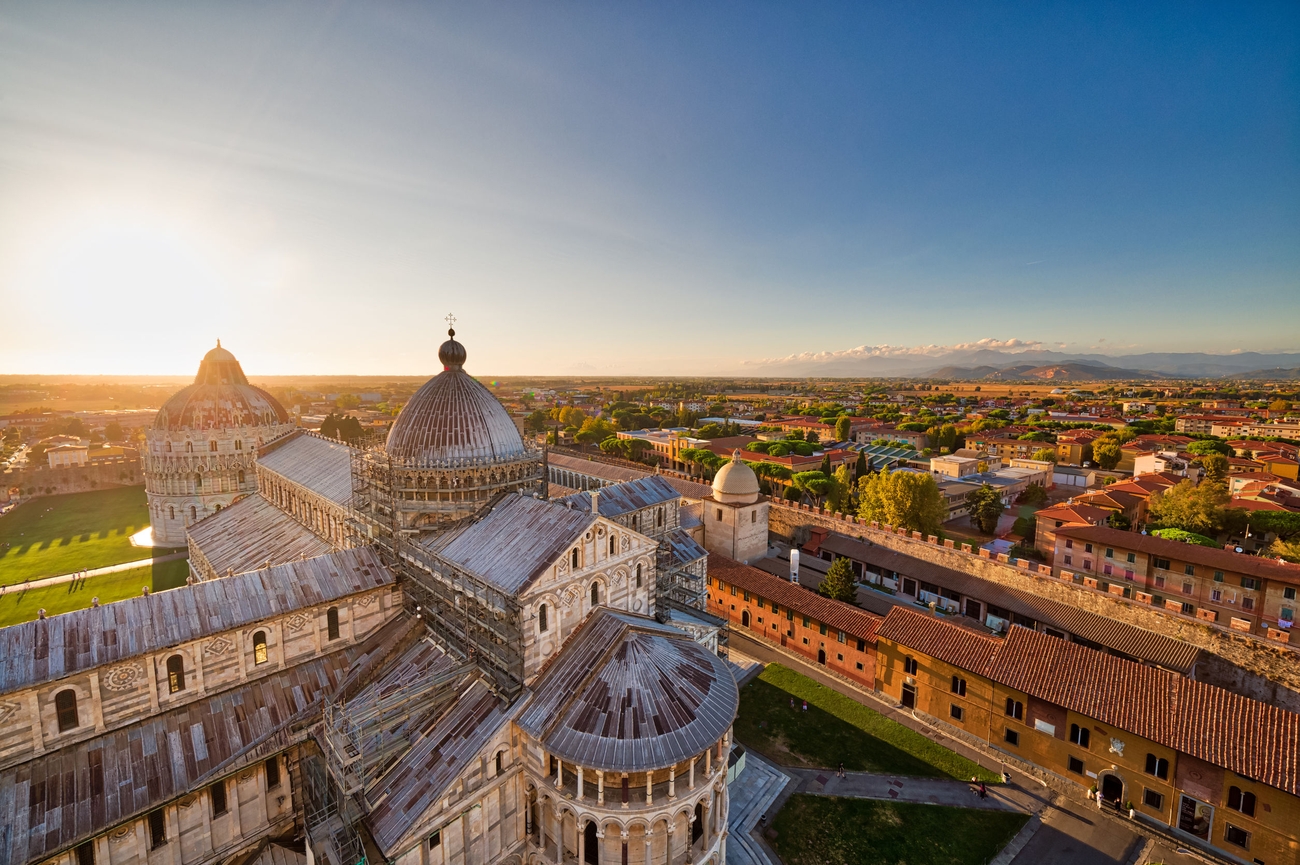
{"x": 453, "y": 419}
{"x": 220, "y": 398}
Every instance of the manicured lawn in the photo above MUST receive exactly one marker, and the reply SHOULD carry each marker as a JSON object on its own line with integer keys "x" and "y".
{"x": 837, "y": 729}
{"x": 825, "y": 830}
{"x": 17, "y": 605}
{"x": 61, "y": 534}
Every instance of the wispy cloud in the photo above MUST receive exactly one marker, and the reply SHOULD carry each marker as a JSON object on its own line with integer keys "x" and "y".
{"x": 1011, "y": 346}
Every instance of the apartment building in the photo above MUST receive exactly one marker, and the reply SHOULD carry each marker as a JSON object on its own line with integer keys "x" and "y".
{"x": 1238, "y": 591}
{"x": 1203, "y": 761}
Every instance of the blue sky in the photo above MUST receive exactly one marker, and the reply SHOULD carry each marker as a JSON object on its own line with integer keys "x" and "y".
{"x": 640, "y": 188}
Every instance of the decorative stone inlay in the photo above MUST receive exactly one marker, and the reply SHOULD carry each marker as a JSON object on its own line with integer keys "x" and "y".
{"x": 119, "y": 835}
{"x": 620, "y": 577}
{"x": 627, "y": 543}
{"x": 570, "y": 595}
{"x": 297, "y": 622}
{"x": 218, "y": 646}
{"x": 123, "y": 677}
{"x": 7, "y": 711}
{"x": 188, "y": 801}
{"x": 368, "y": 600}
{"x": 1117, "y": 746}
{"x": 563, "y": 567}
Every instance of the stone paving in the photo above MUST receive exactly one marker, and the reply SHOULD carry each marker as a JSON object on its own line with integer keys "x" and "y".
{"x": 751, "y": 795}
{"x": 899, "y": 788}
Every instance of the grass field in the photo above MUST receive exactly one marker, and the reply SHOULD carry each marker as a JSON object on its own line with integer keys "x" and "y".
{"x": 17, "y": 605}
{"x": 824, "y": 830}
{"x": 61, "y": 534}
{"x": 836, "y": 728}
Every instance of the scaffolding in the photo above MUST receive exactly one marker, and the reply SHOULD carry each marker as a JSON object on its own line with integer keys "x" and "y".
{"x": 676, "y": 583}
{"x": 363, "y": 737}
{"x": 464, "y": 614}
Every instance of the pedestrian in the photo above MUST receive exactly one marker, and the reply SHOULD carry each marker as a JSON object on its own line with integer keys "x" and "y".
{"x": 805, "y": 705}
{"x": 984, "y": 793}
{"x": 792, "y": 702}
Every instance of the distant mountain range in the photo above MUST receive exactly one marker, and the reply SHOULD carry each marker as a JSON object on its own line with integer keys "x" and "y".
{"x": 1035, "y": 364}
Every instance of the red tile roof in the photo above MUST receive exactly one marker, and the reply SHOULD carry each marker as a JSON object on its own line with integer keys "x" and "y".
{"x": 1078, "y": 513}
{"x": 834, "y": 614}
{"x": 939, "y": 639}
{"x": 1226, "y": 560}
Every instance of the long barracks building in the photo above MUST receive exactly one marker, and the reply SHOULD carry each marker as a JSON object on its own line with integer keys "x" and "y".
{"x": 1218, "y": 768}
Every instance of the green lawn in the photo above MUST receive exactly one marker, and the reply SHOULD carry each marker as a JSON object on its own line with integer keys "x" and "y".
{"x": 825, "y": 830}
{"x": 17, "y": 605}
{"x": 836, "y": 728}
{"x": 61, "y": 534}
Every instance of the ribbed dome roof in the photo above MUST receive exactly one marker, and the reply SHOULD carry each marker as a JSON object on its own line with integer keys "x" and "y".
{"x": 220, "y": 398}
{"x": 454, "y": 419}
{"x": 735, "y": 481}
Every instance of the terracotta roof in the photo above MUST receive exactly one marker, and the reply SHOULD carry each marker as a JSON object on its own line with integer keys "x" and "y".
{"x": 939, "y": 639}
{"x": 1249, "y": 737}
{"x": 1079, "y": 513}
{"x": 834, "y": 614}
{"x": 1194, "y": 553}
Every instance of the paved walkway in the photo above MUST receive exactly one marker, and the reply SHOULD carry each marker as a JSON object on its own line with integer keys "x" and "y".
{"x": 93, "y": 572}
{"x": 900, "y": 788}
{"x": 750, "y": 798}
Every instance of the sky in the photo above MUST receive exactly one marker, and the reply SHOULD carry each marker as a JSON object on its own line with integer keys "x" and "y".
{"x": 642, "y": 188}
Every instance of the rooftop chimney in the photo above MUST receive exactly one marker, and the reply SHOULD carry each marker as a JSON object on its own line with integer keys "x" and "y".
{"x": 794, "y": 567}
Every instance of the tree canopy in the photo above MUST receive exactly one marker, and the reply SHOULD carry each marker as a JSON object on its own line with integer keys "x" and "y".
{"x": 1198, "y": 509}
{"x": 910, "y": 500}
{"x": 1045, "y": 454}
{"x": 985, "y": 506}
{"x": 838, "y": 584}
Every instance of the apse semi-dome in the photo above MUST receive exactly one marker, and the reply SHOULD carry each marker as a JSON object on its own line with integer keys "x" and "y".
{"x": 220, "y": 398}
{"x": 453, "y": 419}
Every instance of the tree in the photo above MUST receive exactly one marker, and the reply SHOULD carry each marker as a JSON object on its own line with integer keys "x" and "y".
{"x": 1034, "y": 494}
{"x": 1045, "y": 454}
{"x": 1106, "y": 452}
{"x": 838, "y": 584}
{"x": 594, "y": 430}
{"x": 812, "y": 484}
{"x": 825, "y": 467}
{"x": 113, "y": 432}
{"x": 837, "y": 500}
{"x": 1118, "y": 521}
{"x": 1285, "y": 549}
{"x": 843, "y": 428}
{"x": 1210, "y": 446}
{"x": 1278, "y": 405}
{"x": 1186, "y": 537}
{"x": 1198, "y": 509}
{"x": 861, "y": 468}
{"x": 346, "y": 401}
{"x": 910, "y": 500}
{"x": 1216, "y": 468}
{"x": 536, "y": 421}
{"x": 711, "y": 431}
{"x": 985, "y": 505}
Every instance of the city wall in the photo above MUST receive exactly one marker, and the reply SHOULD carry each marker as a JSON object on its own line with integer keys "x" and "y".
{"x": 45, "y": 481}
{"x": 1255, "y": 657}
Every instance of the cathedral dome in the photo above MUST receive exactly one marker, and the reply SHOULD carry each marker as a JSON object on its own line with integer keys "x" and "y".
{"x": 454, "y": 419}
{"x": 220, "y": 398}
{"x": 736, "y": 482}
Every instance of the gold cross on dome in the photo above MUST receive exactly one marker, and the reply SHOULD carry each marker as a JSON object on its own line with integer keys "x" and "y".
{"x": 451, "y": 321}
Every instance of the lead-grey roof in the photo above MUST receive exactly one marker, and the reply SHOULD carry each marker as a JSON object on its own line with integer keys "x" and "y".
{"x": 515, "y": 542}
{"x": 435, "y": 760}
{"x": 454, "y": 420}
{"x": 622, "y": 474}
{"x": 618, "y": 499}
{"x": 49, "y": 649}
{"x": 684, "y": 548}
{"x": 65, "y": 796}
{"x": 321, "y": 465}
{"x": 627, "y": 694}
{"x": 249, "y": 534}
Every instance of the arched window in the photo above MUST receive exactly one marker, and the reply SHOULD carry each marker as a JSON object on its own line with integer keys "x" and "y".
{"x": 65, "y": 707}
{"x": 659, "y": 517}
{"x": 198, "y": 481}
{"x": 500, "y": 761}
{"x": 260, "y": 655}
{"x": 595, "y": 594}
{"x": 189, "y": 447}
{"x": 169, "y": 447}
{"x": 212, "y": 446}
{"x": 171, "y": 512}
{"x": 194, "y": 514}
{"x": 175, "y": 674}
{"x": 332, "y": 622}
{"x": 638, "y": 576}
{"x": 1238, "y": 800}
{"x": 697, "y": 825}
{"x": 241, "y": 476}
{"x": 542, "y": 624}
{"x": 573, "y": 558}
{"x": 612, "y": 545}
{"x": 239, "y": 445}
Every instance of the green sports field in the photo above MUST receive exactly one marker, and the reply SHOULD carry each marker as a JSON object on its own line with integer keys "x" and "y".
{"x": 62, "y": 534}
{"x": 21, "y": 605}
